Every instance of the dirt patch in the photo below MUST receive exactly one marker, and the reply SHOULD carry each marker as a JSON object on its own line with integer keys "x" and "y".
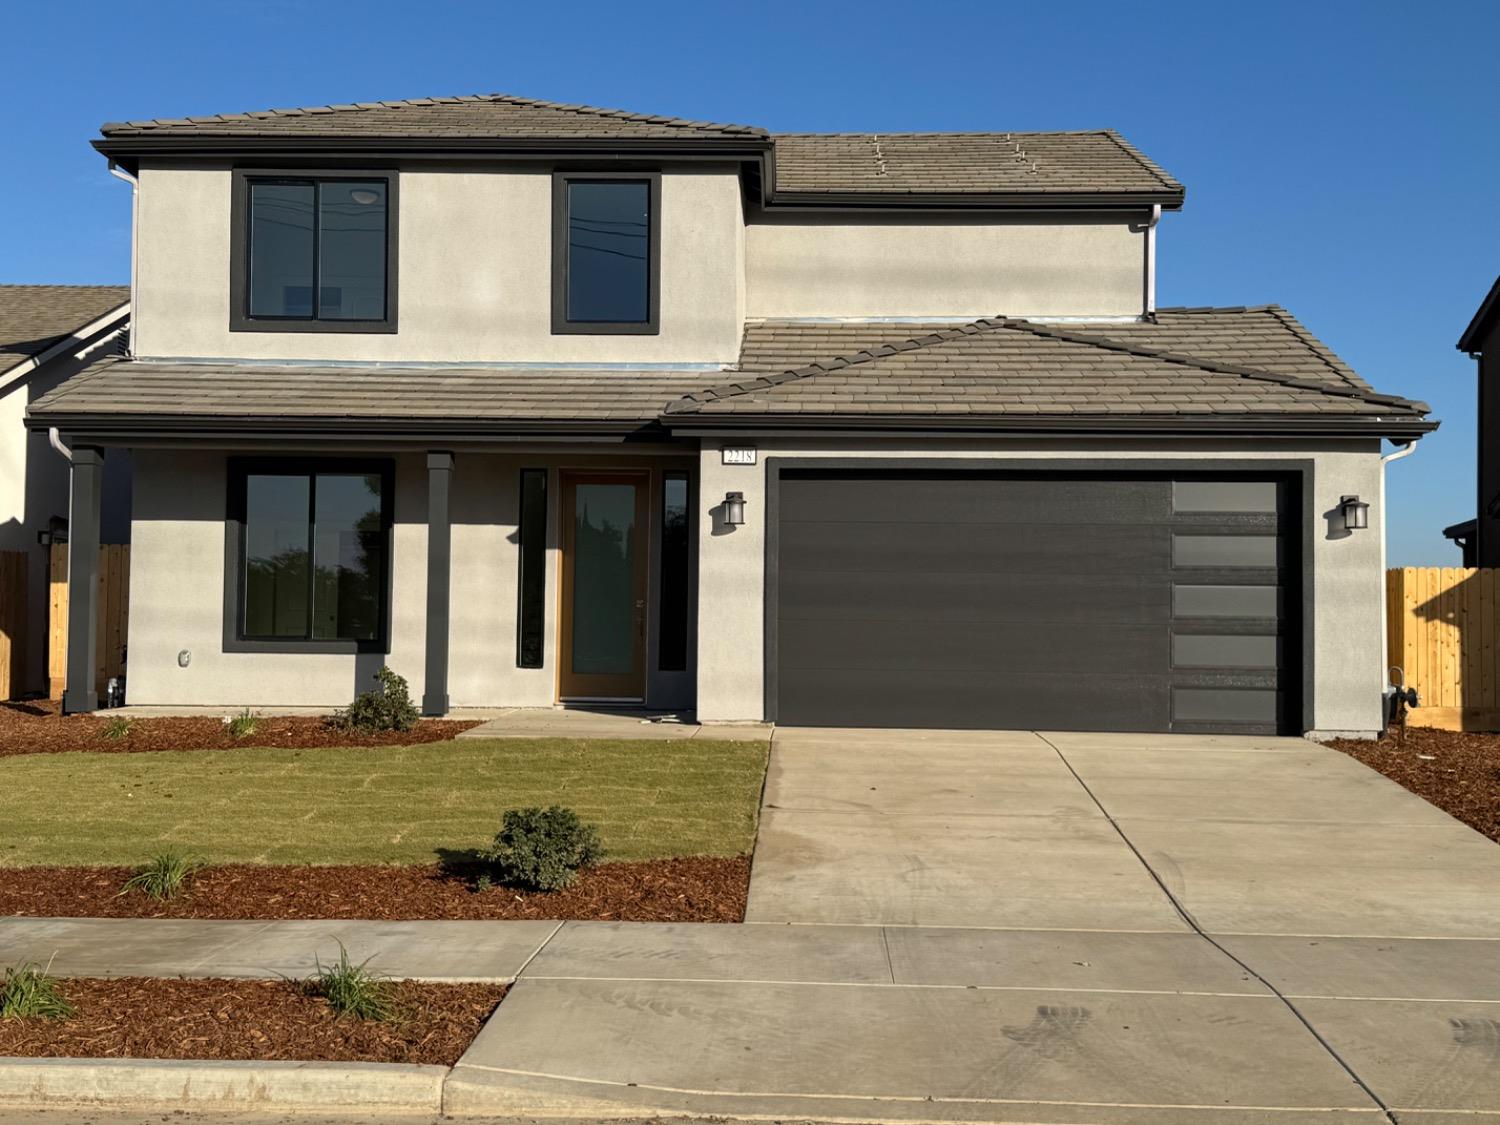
{"x": 1458, "y": 772}
{"x": 38, "y": 727}
{"x": 694, "y": 889}
{"x": 148, "y": 1018}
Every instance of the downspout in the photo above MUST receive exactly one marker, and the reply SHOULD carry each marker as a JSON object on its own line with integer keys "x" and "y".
{"x": 135, "y": 210}
{"x": 55, "y": 440}
{"x": 1151, "y": 261}
{"x": 1385, "y": 633}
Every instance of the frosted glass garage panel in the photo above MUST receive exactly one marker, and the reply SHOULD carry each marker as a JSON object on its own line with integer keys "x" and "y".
{"x": 1224, "y": 705}
{"x": 1226, "y": 550}
{"x": 1224, "y": 496}
{"x": 1226, "y": 601}
{"x": 1199, "y": 650}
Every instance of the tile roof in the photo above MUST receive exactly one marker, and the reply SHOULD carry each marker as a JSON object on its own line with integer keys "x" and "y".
{"x": 34, "y": 317}
{"x": 471, "y": 115}
{"x": 1251, "y": 364}
{"x": 1194, "y": 361}
{"x": 963, "y": 163}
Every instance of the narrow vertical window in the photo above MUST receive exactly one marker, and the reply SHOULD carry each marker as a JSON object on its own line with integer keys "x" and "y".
{"x": 675, "y": 558}
{"x": 531, "y": 607}
{"x": 606, "y": 245}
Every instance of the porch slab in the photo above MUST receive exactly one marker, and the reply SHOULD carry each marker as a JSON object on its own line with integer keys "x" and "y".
{"x": 798, "y": 1051}
{"x": 563, "y": 722}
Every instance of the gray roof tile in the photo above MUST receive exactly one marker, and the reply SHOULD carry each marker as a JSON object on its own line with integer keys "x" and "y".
{"x": 34, "y": 317}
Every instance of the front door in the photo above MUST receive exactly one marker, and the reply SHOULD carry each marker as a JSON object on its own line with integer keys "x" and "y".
{"x": 605, "y": 517}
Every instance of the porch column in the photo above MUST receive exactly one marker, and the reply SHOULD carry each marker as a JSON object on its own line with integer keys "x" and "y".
{"x": 439, "y": 558}
{"x": 83, "y": 578}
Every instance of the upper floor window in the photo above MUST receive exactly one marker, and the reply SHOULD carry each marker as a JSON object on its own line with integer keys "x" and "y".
{"x": 314, "y": 253}
{"x": 606, "y": 252}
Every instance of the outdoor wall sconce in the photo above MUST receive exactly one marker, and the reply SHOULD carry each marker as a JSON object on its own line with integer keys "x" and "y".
{"x": 734, "y": 509}
{"x": 1356, "y": 513}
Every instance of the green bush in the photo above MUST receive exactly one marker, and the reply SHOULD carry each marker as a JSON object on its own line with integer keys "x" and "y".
{"x": 543, "y": 849}
{"x": 388, "y": 707}
{"x": 165, "y": 876}
{"x": 31, "y": 993}
{"x": 243, "y": 725}
{"x": 117, "y": 728}
{"x": 353, "y": 990}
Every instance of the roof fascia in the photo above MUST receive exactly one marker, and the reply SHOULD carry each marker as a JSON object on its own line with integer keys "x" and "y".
{"x": 704, "y": 425}
{"x": 992, "y": 201}
{"x": 1472, "y": 339}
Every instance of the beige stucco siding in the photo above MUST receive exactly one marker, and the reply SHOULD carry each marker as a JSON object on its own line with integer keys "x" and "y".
{"x": 804, "y": 265}
{"x": 177, "y": 590}
{"x": 1346, "y": 593}
{"x": 474, "y": 267}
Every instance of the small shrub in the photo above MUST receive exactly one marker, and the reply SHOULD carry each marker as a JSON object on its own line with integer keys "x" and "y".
{"x": 117, "y": 728}
{"x": 165, "y": 876}
{"x": 31, "y": 993}
{"x": 243, "y": 725}
{"x": 484, "y": 883}
{"x": 388, "y": 707}
{"x": 353, "y": 990}
{"x": 543, "y": 849}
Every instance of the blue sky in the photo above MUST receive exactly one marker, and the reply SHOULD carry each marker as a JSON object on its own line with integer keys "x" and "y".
{"x": 1340, "y": 158}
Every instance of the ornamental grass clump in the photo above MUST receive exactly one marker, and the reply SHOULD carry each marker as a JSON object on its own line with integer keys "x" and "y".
{"x": 544, "y": 849}
{"x": 353, "y": 990}
{"x": 388, "y": 707}
{"x": 165, "y": 876}
{"x": 29, "y": 992}
{"x": 117, "y": 728}
{"x": 243, "y": 725}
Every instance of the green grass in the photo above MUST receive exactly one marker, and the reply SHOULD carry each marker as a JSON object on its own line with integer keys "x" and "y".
{"x": 28, "y": 992}
{"x": 353, "y": 990}
{"x": 396, "y": 804}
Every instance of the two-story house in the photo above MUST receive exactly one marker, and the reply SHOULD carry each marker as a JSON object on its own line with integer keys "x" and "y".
{"x": 545, "y": 404}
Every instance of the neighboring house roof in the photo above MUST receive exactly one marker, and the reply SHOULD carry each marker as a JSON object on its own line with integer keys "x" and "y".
{"x": 34, "y": 318}
{"x": 1082, "y": 168}
{"x": 1473, "y": 338}
{"x": 964, "y": 163}
{"x": 1212, "y": 369}
{"x": 1230, "y": 364}
{"x": 472, "y": 115}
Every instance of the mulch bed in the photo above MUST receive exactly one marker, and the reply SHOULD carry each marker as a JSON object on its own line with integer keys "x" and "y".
{"x": 38, "y": 727}
{"x": 693, "y": 889}
{"x": 148, "y": 1018}
{"x": 1459, "y": 772}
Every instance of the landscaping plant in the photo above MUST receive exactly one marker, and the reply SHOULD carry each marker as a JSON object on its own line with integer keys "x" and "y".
{"x": 244, "y": 724}
{"x": 117, "y": 728}
{"x": 543, "y": 849}
{"x": 388, "y": 707}
{"x": 353, "y": 990}
{"x": 32, "y": 993}
{"x": 165, "y": 876}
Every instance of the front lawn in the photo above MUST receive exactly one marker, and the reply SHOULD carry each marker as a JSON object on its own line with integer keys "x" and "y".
{"x": 389, "y": 804}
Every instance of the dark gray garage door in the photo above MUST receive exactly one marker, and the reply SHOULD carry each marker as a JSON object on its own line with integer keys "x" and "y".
{"x": 1132, "y": 602}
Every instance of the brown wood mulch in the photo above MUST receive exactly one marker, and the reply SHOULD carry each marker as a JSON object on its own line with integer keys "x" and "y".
{"x": 149, "y": 1018}
{"x": 37, "y": 727}
{"x": 692, "y": 889}
{"x": 1459, "y": 772}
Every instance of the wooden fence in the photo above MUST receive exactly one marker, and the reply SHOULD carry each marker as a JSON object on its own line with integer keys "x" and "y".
{"x": 13, "y": 614}
{"x": 113, "y": 615}
{"x": 1440, "y": 623}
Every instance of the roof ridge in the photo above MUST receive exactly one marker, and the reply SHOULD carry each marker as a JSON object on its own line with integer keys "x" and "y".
{"x": 447, "y": 99}
{"x": 1165, "y": 178}
{"x": 685, "y": 404}
{"x": 1347, "y": 390}
{"x": 1004, "y": 133}
{"x": 62, "y": 285}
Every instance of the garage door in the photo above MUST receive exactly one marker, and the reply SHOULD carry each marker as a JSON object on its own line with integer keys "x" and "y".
{"x": 1061, "y": 602}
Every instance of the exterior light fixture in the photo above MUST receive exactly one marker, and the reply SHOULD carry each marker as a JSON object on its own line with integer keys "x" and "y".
{"x": 1356, "y": 513}
{"x": 734, "y": 509}
{"x": 364, "y": 196}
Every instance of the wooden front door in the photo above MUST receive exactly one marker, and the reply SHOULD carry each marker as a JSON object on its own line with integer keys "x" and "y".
{"x": 605, "y": 521}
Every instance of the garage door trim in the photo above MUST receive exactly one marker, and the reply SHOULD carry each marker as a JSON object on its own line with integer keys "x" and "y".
{"x": 1302, "y": 470}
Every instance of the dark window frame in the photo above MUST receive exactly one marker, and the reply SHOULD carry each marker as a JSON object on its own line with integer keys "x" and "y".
{"x": 561, "y": 325}
{"x": 523, "y": 545}
{"x": 241, "y": 468}
{"x": 240, "y": 319}
{"x": 687, "y": 569}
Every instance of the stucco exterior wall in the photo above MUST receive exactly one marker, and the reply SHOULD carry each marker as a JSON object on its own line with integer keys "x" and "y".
{"x": 177, "y": 591}
{"x": 1347, "y": 577}
{"x": 809, "y": 265}
{"x": 475, "y": 262}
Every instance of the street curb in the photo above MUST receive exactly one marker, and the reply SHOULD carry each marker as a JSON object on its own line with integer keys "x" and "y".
{"x": 136, "y": 1084}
